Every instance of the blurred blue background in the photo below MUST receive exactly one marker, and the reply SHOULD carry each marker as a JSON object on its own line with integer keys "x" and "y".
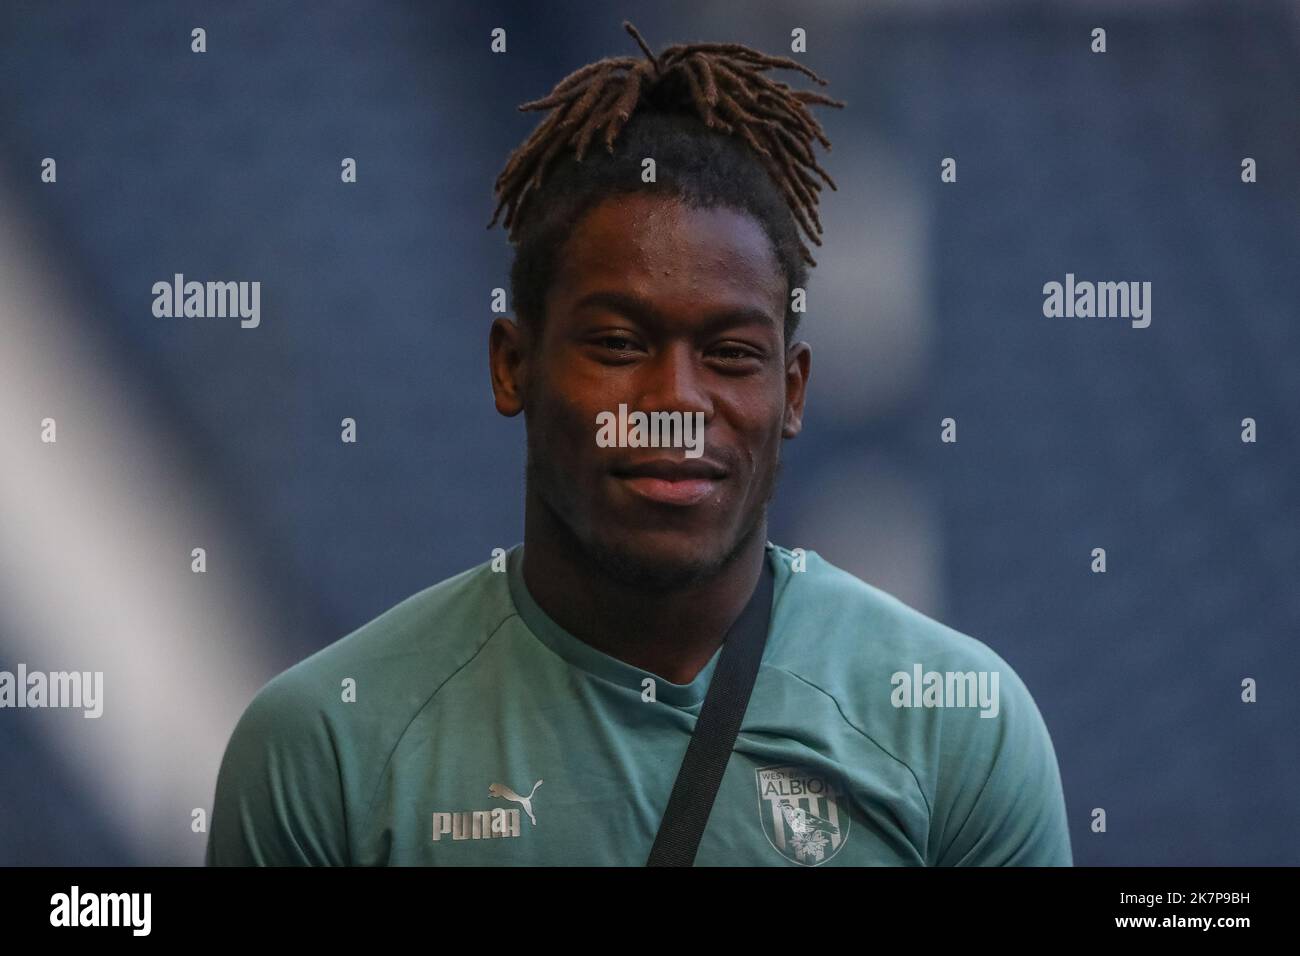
{"x": 1073, "y": 433}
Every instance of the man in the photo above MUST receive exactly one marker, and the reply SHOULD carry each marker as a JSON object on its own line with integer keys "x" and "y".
{"x": 536, "y": 709}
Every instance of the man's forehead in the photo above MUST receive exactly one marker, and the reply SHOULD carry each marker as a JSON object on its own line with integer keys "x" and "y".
{"x": 657, "y": 246}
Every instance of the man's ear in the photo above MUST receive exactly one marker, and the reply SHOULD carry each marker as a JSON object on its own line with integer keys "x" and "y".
{"x": 798, "y": 366}
{"x": 507, "y": 365}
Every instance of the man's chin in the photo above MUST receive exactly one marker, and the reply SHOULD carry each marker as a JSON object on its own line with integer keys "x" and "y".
{"x": 657, "y": 565}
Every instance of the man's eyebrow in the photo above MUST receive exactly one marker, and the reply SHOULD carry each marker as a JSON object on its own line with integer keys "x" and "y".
{"x": 641, "y": 311}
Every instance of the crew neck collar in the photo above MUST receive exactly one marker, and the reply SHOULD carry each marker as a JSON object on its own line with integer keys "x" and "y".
{"x": 583, "y": 656}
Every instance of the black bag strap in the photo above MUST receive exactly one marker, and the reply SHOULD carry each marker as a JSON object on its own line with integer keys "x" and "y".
{"x": 707, "y": 754}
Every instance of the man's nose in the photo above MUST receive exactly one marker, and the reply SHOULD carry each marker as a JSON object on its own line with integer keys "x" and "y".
{"x": 675, "y": 382}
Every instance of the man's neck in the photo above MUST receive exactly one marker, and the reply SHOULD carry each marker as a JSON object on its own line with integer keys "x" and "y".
{"x": 673, "y": 634}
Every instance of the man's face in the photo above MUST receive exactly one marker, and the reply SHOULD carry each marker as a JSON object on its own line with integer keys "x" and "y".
{"x": 662, "y": 308}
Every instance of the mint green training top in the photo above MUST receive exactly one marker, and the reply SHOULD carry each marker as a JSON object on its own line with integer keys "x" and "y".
{"x": 465, "y": 727}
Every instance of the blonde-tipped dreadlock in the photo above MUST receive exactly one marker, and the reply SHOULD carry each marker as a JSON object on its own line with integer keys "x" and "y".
{"x": 727, "y": 90}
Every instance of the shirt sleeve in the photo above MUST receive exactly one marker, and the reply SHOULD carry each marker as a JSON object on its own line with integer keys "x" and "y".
{"x": 1003, "y": 804}
{"x": 279, "y": 792}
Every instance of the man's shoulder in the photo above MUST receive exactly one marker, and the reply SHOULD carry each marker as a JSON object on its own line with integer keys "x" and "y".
{"x": 386, "y": 669}
{"x": 941, "y": 702}
{"x": 305, "y": 754}
{"x": 414, "y": 644}
{"x": 841, "y": 620}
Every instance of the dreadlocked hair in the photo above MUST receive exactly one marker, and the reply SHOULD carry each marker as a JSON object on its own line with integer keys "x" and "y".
{"x": 721, "y": 132}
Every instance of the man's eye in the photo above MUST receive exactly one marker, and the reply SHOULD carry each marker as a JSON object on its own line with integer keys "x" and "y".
{"x": 735, "y": 352}
{"x": 616, "y": 343}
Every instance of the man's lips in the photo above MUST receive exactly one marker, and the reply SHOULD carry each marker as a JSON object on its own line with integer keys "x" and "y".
{"x": 672, "y": 481}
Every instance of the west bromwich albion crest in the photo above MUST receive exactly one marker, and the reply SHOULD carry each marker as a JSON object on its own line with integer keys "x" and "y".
{"x": 802, "y": 813}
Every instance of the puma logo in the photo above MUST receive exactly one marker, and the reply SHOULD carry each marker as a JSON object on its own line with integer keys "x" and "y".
{"x": 501, "y": 791}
